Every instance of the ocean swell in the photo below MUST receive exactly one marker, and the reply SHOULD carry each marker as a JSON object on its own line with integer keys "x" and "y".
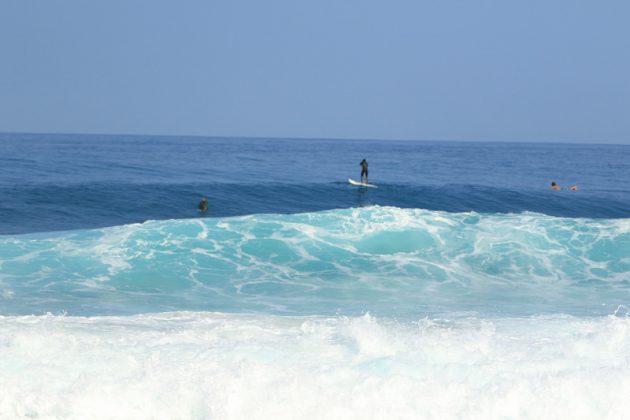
{"x": 385, "y": 260}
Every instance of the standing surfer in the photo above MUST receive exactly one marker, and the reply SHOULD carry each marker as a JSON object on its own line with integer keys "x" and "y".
{"x": 364, "y": 171}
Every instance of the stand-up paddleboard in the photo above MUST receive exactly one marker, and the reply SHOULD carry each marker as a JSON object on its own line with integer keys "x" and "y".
{"x": 360, "y": 184}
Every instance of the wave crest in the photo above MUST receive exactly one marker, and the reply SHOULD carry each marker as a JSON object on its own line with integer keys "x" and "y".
{"x": 381, "y": 259}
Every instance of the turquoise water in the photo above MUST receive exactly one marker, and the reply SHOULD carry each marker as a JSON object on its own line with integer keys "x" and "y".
{"x": 461, "y": 287}
{"x": 383, "y": 260}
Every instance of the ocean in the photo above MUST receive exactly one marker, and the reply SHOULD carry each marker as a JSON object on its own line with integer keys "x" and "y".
{"x": 461, "y": 287}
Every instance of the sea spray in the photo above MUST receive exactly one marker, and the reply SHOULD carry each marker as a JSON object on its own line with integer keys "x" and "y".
{"x": 231, "y": 366}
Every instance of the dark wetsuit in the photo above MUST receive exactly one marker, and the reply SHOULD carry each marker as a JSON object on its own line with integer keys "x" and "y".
{"x": 364, "y": 169}
{"x": 203, "y": 206}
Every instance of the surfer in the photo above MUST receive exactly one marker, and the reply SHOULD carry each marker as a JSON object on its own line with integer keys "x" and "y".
{"x": 557, "y": 187}
{"x": 364, "y": 170}
{"x": 203, "y": 206}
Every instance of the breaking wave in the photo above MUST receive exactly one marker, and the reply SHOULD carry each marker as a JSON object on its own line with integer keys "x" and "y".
{"x": 383, "y": 260}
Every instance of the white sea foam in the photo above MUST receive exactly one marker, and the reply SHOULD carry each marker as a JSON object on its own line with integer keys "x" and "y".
{"x": 210, "y": 365}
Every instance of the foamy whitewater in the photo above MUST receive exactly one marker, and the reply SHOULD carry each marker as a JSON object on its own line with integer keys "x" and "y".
{"x": 380, "y": 312}
{"x": 461, "y": 288}
{"x": 206, "y": 365}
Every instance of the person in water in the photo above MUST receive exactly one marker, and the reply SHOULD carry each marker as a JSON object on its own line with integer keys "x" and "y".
{"x": 203, "y": 206}
{"x": 557, "y": 187}
{"x": 364, "y": 171}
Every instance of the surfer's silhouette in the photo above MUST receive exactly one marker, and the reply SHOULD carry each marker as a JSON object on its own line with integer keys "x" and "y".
{"x": 364, "y": 171}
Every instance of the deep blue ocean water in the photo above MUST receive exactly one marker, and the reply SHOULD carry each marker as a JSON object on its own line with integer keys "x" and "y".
{"x": 461, "y": 287}
{"x": 62, "y": 182}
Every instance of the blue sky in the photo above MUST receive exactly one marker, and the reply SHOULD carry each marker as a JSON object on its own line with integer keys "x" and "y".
{"x": 435, "y": 70}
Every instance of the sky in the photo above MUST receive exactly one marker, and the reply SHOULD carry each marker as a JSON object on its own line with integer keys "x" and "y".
{"x": 500, "y": 70}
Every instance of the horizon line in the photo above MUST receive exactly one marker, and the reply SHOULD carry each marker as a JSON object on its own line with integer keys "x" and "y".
{"x": 300, "y": 138}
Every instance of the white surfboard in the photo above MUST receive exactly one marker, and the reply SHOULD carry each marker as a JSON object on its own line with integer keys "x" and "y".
{"x": 361, "y": 184}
